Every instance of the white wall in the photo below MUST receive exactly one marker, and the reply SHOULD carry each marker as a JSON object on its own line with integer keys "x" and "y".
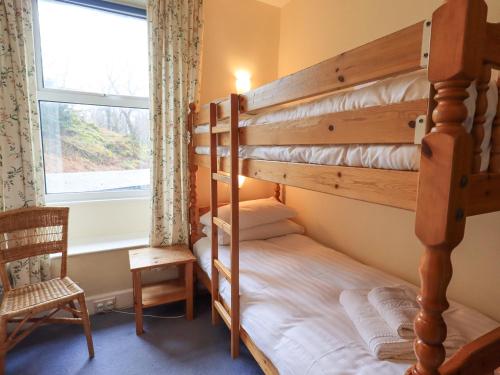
{"x": 98, "y": 221}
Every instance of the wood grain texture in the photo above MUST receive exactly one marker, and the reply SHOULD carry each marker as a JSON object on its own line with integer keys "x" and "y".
{"x": 265, "y": 364}
{"x": 366, "y": 184}
{"x": 390, "y": 55}
{"x": 223, "y": 313}
{"x": 440, "y": 219}
{"x": 163, "y": 292}
{"x": 482, "y": 85}
{"x": 137, "y": 285}
{"x": 479, "y": 357}
{"x": 154, "y": 257}
{"x": 226, "y": 227}
{"x": 277, "y": 192}
{"x": 484, "y": 194}
{"x": 214, "y": 238}
{"x": 494, "y": 166}
{"x": 458, "y": 54}
{"x": 446, "y": 157}
{"x": 223, "y": 270}
{"x": 235, "y": 227}
{"x": 388, "y": 124}
{"x": 222, "y": 177}
{"x": 189, "y": 285}
{"x": 492, "y": 49}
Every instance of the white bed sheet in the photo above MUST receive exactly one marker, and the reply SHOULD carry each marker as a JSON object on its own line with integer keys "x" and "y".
{"x": 397, "y": 157}
{"x": 413, "y": 86}
{"x": 290, "y": 289}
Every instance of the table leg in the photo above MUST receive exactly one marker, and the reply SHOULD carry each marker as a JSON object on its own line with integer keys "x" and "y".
{"x": 188, "y": 270}
{"x": 137, "y": 285}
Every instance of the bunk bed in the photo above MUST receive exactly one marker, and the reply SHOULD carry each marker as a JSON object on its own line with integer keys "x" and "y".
{"x": 425, "y": 159}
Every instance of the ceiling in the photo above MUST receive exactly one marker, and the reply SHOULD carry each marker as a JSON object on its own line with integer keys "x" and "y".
{"x": 276, "y": 3}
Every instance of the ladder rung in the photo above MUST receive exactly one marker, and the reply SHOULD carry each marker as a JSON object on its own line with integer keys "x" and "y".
{"x": 221, "y": 129}
{"x": 225, "y": 178}
{"x": 224, "y": 271}
{"x": 223, "y": 313}
{"x": 226, "y": 227}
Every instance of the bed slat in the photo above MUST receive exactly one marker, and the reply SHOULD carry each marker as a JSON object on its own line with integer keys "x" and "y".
{"x": 390, "y": 55}
{"x": 366, "y": 184}
{"x": 226, "y": 227}
{"x": 484, "y": 194}
{"x": 223, "y": 313}
{"x": 389, "y": 124}
{"x": 223, "y": 270}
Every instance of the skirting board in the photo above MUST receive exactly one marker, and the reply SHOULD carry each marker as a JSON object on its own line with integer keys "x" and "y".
{"x": 124, "y": 299}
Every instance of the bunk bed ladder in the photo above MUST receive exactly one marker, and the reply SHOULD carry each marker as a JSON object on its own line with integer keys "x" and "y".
{"x": 229, "y": 314}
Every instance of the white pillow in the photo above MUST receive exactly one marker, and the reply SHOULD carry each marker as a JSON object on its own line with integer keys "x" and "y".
{"x": 260, "y": 232}
{"x": 254, "y": 212}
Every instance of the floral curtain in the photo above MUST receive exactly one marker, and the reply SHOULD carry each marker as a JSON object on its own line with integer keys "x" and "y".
{"x": 175, "y": 31}
{"x": 21, "y": 177}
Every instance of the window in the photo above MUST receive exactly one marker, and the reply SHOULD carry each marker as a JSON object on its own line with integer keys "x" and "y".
{"x": 93, "y": 88}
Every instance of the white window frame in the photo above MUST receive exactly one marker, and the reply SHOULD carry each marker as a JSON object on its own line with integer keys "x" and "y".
{"x": 87, "y": 98}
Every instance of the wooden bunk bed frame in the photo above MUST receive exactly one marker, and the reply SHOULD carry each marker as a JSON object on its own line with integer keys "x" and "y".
{"x": 463, "y": 47}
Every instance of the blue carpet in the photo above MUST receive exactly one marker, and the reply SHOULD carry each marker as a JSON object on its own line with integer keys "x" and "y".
{"x": 168, "y": 346}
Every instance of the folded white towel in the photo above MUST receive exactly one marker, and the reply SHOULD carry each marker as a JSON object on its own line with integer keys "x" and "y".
{"x": 397, "y": 306}
{"x": 382, "y": 341}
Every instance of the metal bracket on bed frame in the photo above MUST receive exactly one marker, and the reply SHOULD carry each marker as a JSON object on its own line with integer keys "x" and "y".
{"x": 426, "y": 44}
{"x": 420, "y": 127}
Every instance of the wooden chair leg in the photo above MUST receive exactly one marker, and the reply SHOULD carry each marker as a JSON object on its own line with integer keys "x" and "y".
{"x": 73, "y": 306}
{"x": 86, "y": 324}
{"x": 3, "y": 344}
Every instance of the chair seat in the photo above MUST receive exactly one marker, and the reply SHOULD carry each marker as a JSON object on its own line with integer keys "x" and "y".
{"x": 42, "y": 295}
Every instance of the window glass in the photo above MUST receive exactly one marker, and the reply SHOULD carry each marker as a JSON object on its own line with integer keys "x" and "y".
{"x": 94, "y": 148}
{"x": 93, "y": 97}
{"x": 93, "y": 50}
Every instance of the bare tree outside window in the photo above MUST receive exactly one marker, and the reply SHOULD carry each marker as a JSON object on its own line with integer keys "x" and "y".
{"x": 93, "y": 104}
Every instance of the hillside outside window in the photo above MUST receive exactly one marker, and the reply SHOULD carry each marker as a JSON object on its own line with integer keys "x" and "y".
{"x": 93, "y": 88}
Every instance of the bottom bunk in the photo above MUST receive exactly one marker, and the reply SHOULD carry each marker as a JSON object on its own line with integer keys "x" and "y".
{"x": 291, "y": 317}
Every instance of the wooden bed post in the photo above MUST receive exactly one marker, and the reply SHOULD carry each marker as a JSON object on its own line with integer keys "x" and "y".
{"x": 277, "y": 192}
{"x": 459, "y": 29}
{"x": 482, "y": 84}
{"x": 494, "y": 166}
{"x": 193, "y": 168}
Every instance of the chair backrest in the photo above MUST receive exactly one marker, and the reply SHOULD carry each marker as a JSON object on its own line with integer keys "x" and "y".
{"x": 33, "y": 231}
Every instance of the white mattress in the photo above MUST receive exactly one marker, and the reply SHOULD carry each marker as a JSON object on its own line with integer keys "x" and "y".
{"x": 413, "y": 86}
{"x": 290, "y": 289}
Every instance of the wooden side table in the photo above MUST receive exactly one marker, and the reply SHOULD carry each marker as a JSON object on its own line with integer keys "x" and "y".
{"x": 167, "y": 291}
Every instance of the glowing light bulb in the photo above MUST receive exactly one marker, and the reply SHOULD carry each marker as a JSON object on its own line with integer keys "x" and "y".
{"x": 241, "y": 181}
{"x": 243, "y": 81}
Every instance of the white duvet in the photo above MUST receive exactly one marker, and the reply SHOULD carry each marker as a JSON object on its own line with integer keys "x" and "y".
{"x": 409, "y": 87}
{"x": 290, "y": 289}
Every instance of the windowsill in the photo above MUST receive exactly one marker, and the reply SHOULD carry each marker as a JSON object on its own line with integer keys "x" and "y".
{"x": 82, "y": 199}
{"x": 98, "y": 245}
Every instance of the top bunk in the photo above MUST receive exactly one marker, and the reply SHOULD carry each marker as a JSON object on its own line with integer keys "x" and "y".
{"x": 353, "y": 125}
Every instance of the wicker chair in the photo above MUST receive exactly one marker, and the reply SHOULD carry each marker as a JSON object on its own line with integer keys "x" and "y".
{"x": 29, "y": 232}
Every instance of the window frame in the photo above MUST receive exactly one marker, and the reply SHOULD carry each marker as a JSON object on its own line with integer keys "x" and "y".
{"x": 86, "y": 98}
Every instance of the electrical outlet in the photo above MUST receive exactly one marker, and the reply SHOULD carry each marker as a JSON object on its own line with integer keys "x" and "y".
{"x": 104, "y": 305}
